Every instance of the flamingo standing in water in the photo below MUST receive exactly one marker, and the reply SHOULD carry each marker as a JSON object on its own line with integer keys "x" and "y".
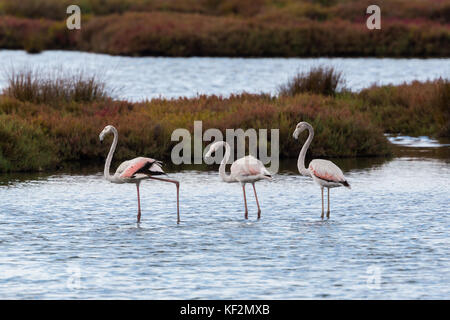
{"x": 244, "y": 170}
{"x": 135, "y": 170}
{"x": 325, "y": 173}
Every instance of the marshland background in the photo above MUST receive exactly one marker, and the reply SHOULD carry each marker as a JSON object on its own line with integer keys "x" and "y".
{"x": 350, "y": 121}
{"x": 384, "y": 120}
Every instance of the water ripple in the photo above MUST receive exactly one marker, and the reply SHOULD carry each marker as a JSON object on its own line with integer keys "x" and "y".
{"x": 75, "y": 236}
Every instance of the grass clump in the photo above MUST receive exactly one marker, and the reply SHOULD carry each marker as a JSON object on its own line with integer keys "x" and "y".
{"x": 319, "y": 80}
{"x": 55, "y": 87}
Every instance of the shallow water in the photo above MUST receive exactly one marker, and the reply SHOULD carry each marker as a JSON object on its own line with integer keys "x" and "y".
{"x": 74, "y": 235}
{"x": 141, "y": 78}
{"x": 417, "y": 142}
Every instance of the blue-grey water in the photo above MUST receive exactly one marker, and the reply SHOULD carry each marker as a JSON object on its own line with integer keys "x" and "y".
{"x": 142, "y": 78}
{"x": 74, "y": 235}
{"x": 71, "y": 234}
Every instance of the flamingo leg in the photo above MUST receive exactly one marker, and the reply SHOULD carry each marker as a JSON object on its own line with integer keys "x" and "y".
{"x": 328, "y": 211}
{"x": 139, "y": 204}
{"x": 245, "y": 202}
{"x": 322, "y": 203}
{"x": 257, "y": 202}
{"x": 177, "y": 183}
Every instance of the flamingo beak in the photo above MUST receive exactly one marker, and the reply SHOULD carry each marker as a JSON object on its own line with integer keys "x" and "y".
{"x": 295, "y": 134}
{"x": 208, "y": 154}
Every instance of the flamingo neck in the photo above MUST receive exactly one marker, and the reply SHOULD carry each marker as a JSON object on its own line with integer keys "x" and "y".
{"x": 110, "y": 155}
{"x": 225, "y": 177}
{"x": 301, "y": 158}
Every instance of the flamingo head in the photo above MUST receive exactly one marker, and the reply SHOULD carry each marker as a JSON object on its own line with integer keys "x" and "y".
{"x": 301, "y": 126}
{"x": 213, "y": 148}
{"x": 105, "y": 131}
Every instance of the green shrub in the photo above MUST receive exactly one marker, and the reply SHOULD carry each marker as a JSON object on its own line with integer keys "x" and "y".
{"x": 418, "y": 108}
{"x": 23, "y": 147}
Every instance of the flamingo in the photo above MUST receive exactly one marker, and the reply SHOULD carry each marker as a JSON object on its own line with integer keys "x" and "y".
{"x": 135, "y": 170}
{"x": 244, "y": 170}
{"x": 324, "y": 173}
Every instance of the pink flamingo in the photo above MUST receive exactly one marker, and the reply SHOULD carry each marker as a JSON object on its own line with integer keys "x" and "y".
{"x": 244, "y": 170}
{"x": 135, "y": 170}
{"x": 325, "y": 173}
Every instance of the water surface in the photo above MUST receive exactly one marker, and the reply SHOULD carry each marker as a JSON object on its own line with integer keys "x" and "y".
{"x": 74, "y": 235}
{"x": 149, "y": 77}
{"x": 71, "y": 234}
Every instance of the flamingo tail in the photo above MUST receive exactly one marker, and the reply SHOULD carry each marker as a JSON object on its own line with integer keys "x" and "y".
{"x": 346, "y": 184}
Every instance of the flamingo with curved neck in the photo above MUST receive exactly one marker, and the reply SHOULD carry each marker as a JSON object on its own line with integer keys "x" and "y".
{"x": 106, "y": 172}
{"x": 324, "y": 173}
{"x": 302, "y": 155}
{"x": 225, "y": 177}
{"x": 245, "y": 170}
{"x": 135, "y": 170}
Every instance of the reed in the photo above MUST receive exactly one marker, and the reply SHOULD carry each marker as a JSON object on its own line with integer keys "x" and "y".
{"x": 55, "y": 87}
{"x": 320, "y": 80}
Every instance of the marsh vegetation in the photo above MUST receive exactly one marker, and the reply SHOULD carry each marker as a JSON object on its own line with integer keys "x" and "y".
{"x": 281, "y": 28}
{"x": 47, "y": 122}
